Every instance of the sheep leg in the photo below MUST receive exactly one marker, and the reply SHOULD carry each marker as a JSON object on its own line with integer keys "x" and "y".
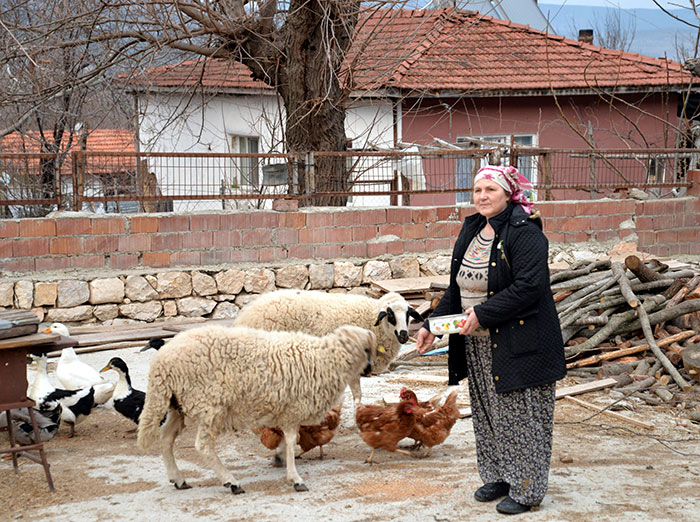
{"x": 204, "y": 444}
{"x": 356, "y": 390}
{"x": 169, "y": 431}
{"x": 277, "y": 460}
{"x": 290, "y": 440}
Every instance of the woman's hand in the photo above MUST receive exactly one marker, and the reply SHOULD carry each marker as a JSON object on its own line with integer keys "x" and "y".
{"x": 471, "y": 324}
{"x": 424, "y": 340}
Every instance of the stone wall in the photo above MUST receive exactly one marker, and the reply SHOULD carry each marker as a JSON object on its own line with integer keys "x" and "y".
{"x": 196, "y": 293}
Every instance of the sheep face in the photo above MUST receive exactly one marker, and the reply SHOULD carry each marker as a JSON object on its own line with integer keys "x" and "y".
{"x": 398, "y": 314}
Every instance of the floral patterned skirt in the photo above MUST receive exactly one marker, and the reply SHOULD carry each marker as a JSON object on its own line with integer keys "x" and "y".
{"x": 513, "y": 430}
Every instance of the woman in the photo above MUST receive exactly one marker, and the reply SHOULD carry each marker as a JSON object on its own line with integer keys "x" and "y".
{"x": 510, "y": 348}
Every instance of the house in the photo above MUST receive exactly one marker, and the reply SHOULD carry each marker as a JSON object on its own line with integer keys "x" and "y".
{"x": 443, "y": 74}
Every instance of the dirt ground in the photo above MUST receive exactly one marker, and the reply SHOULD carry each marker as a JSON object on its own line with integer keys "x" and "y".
{"x": 602, "y": 469}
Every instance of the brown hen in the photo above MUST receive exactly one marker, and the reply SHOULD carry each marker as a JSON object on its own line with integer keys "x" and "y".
{"x": 308, "y": 437}
{"x": 384, "y": 426}
{"x": 433, "y": 423}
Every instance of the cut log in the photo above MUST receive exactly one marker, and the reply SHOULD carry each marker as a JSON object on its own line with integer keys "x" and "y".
{"x": 570, "y": 274}
{"x": 686, "y": 307}
{"x": 613, "y": 414}
{"x": 680, "y": 294}
{"x": 624, "y": 283}
{"x": 642, "y": 271}
{"x": 691, "y": 361}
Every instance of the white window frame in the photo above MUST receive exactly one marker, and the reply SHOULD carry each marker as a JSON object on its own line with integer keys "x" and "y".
{"x": 246, "y": 171}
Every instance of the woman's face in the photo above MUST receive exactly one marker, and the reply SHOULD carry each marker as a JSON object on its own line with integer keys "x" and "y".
{"x": 489, "y": 198}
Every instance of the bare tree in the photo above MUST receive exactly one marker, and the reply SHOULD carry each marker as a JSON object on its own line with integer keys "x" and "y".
{"x": 614, "y": 32}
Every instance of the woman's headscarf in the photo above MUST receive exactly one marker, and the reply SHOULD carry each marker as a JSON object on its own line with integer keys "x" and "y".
{"x": 510, "y": 180}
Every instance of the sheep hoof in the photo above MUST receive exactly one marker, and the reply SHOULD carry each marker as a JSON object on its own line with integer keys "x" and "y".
{"x": 277, "y": 461}
{"x": 235, "y": 488}
{"x": 300, "y": 486}
{"x": 184, "y": 485}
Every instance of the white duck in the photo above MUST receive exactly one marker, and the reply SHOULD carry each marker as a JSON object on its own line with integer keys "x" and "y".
{"x": 41, "y": 386}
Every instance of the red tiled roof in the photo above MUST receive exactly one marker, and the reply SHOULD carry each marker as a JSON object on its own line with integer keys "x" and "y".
{"x": 214, "y": 74}
{"x": 457, "y": 50}
{"x": 98, "y": 140}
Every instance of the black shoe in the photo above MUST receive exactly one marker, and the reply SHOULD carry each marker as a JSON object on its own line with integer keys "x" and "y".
{"x": 491, "y": 491}
{"x": 511, "y": 507}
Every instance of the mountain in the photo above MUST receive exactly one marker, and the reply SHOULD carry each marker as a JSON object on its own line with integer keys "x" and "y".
{"x": 656, "y": 33}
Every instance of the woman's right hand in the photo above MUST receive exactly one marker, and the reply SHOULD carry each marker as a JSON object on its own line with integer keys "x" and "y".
{"x": 424, "y": 340}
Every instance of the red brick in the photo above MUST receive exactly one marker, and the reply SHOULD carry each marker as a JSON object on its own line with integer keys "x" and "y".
{"x": 689, "y": 235}
{"x": 646, "y": 237}
{"x": 21, "y": 264}
{"x": 366, "y": 233}
{"x": 395, "y": 248}
{"x": 29, "y": 247}
{"x": 186, "y": 258}
{"x": 100, "y": 244}
{"x": 443, "y": 229}
{"x": 546, "y": 209}
{"x": 319, "y": 219}
{"x": 416, "y": 231}
{"x": 604, "y": 222}
{"x": 144, "y": 225}
{"x": 205, "y": 222}
{"x": 694, "y": 248}
{"x": 53, "y": 263}
{"x": 244, "y": 255}
{"x": 349, "y": 250}
{"x": 73, "y": 226}
{"x": 310, "y": 236}
{"x": 394, "y": 229}
{"x": 123, "y": 261}
{"x": 424, "y": 215}
{"x": 227, "y": 238}
{"x": 6, "y": 246}
{"x": 339, "y": 234}
{"x": 346, "y": 218}
{"x": 552, "y": 224}
{"x": 300, "y": 252}
{"x": 576, "y": 224}
{"x": 267, "y": 255}
{"x": 607, "y": 207}
{"x": 87, "y": 261}
{"x": 414, "y": 246}
{"x": 585, "y": 208}
{"x": 293, "y": 220}
{"x": 373, "y": 217}
{"x": 555, "y": 237}
{"x": 66, "y": 245}
{"x": 691, "y": 220}
{"x": 438, "y": 244}
{"x": 173, "y": 224}
{"x": 577, "y": 237}
{"x": 135, "y": 243}
{"x": 8, "y": 228}
{"x": 644, "y": 223}
{"x": 444, "y": 213}
{"x": 237, "y": 221}
{"x": 37, "y": 228}
{"x": 109, "y": 225}
{"x": 565, "y": 210}
{"x": 160, "y": 242}
{"x": 605, "y": 235}
{"x": 466, "y": 211}
{"x": 401, "y": 215}
{"x": 663, "y": 222}
{"x": 376, "y": 249}
{"x": 628, "y": 206}
{"x": 256, "y": 237}
{"x": 198, "y": 240}
{"x": 155, "y": 259}
{"x": 263, "y": 219}
{"x": 285, "y": 205}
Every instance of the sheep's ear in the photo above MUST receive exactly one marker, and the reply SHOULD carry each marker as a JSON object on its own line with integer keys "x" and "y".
{"x": 413, "y": 314}
{"x": 381, "y": 316}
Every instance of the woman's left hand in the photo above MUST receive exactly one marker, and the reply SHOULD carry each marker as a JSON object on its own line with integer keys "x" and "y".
{"x": 471, "y": 324}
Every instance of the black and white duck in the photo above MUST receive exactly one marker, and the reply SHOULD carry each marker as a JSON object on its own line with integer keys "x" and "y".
{"x": 126, "y": 400}
{"x": 154, "y": 342}
{"x": 47, "y": 422}
{"x": 76, "y": 405}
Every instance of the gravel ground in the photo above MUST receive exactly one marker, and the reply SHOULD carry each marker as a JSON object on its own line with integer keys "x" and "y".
{"x": 601, "y": 470}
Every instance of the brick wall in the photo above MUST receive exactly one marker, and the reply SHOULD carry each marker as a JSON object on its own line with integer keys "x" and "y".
{"x": 664, "y": 227}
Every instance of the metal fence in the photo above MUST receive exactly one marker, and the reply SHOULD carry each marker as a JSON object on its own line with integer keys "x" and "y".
{"x": 35, "y": 184}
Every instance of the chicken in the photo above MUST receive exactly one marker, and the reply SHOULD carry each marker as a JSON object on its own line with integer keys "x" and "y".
{"x": 433, "y": 423}
{"x": 308, "y": 438}
{"x": 384, "y": 426}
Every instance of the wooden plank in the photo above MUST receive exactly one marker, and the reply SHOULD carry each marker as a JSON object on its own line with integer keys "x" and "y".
{"x": 36, "y": 339}
{"x": 188, "y": 326}
{"x": 126, "y": 335}
{"x": 585, "y": 388}
{"x": 410, "y": 284}
{"x": 618, "y": 416}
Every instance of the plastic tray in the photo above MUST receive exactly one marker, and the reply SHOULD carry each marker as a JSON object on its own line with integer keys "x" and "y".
{"x": 447, "y": 324}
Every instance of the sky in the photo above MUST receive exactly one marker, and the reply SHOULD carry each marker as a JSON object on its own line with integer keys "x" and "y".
{"x": 625, "y": 4}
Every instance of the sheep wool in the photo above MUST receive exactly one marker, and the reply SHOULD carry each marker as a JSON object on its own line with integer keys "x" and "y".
{"x": 318, "y": 313}
{"x": 243, "y": 378}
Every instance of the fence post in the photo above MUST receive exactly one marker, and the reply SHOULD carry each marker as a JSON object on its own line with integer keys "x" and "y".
{"x": 310, "y": 174}
{"x": 77, "y": 179}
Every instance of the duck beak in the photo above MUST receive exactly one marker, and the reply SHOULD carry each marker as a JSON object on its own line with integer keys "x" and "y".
{"x": 106, "y": 368}
{"x": 48, "y": 330}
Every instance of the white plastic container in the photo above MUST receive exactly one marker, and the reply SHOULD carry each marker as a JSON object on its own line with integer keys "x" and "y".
{"x": 447, "y": 324}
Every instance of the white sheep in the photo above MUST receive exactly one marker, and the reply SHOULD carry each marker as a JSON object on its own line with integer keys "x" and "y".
{"x": 242, "y": 378}
{"x": 318, "y": 313}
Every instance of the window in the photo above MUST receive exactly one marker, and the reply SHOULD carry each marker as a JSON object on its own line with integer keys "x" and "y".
{"x": 247, "y": 169}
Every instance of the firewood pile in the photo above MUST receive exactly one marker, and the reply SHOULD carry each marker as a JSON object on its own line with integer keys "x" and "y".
{"x": 636, "y": 322}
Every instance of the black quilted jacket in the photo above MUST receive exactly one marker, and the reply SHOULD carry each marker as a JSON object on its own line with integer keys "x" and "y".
{"x": 527, "y": 345}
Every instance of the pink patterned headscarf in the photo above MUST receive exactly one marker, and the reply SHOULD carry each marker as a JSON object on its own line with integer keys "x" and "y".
{"x": 510, "y": 180}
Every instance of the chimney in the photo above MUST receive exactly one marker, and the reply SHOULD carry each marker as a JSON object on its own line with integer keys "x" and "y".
{"x": 585, "y": 35}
